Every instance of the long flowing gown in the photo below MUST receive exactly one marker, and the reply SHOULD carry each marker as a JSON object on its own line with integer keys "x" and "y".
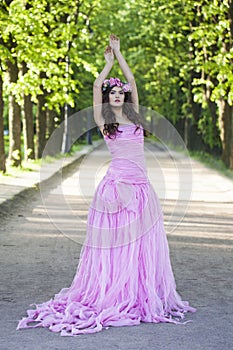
{"x": 124, "y": 276}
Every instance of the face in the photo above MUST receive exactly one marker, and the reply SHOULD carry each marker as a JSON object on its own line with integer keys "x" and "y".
{"x": 116, "y": 97}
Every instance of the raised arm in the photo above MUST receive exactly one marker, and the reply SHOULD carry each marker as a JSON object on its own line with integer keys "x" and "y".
{"x": 97, "y": 88}
{"x": 115, "y": 45}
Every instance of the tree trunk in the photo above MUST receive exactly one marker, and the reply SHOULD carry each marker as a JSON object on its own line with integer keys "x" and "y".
{"x": 41, "y": 120}
{"x": 226, "y": 110}
{"x": 215, "y": 147}
{"x": 2, "y": 148}
{"x": 194, "y": 139}
{"x": 231, "y": 157}
{"x": 28, "y": 125}
{"x": 40, "y": 126}
{"x": 230, "y": 17}
{"x": 29, "y": 148}
{"x": 51, "y": 115}
{"x": 192, "y": 136}
{"x": 14, "y": 119}
{"x": 226, "y": 113}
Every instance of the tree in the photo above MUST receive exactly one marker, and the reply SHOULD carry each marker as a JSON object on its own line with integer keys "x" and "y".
{"x": 213, "y": 38}
{"x": 40, "y": 36}
{"x": 14, "y": 117}
{"x": 180, "y": 53}
{"x": 2, "y": 148}
{"x": 7, "y": 41}
{"x": 28, "y": 123}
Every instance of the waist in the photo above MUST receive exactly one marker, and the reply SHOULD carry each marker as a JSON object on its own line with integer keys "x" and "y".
{"x": 131, "y": 176}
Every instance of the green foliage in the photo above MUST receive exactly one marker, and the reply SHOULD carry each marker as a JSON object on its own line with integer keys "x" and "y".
{"x": 207, "y": 129}
{"x": 45, "y": 35}
{"x": 213, "y": 48}
{"x": 180, "y": 53}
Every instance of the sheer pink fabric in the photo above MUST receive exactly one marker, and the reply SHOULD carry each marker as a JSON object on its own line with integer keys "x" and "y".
{"x": 124, "y": 276}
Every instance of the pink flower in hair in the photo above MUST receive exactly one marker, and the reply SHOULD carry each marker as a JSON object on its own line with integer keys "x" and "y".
{"x": 118, "y": 82}
{"x": 112, "y": 82}
{"x": 126, "y": 87}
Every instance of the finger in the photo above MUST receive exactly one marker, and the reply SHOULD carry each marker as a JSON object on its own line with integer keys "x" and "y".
{"x": 113, "y": 37}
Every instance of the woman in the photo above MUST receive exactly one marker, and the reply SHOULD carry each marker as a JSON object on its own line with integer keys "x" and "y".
{"x": 114, "y": 92}
{"x": 124, "y": 276}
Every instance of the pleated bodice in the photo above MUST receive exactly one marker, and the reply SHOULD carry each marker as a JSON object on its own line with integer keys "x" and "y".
{"x": 127, "y": 151}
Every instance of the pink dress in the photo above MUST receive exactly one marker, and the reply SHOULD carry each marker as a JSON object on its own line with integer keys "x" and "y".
{"x": 124, "y": 276}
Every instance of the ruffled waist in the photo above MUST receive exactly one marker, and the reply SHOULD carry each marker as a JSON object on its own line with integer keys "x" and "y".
{"x": 115, "y": 194}
{"x": 126, "y": 178}
{"x": 135, "y": 174}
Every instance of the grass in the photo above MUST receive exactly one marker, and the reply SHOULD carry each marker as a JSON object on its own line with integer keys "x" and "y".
{"x": 212, "y": 162}
{"x": 205, "y": 158}
{"x": 35, "y": 164}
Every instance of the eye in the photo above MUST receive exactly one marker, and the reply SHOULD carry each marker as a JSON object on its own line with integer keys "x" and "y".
{"x": 121, "y": 92}
{"x": 112, "y": 92}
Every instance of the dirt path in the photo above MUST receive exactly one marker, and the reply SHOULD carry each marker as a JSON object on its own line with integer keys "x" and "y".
{"x": 38, "y": 259}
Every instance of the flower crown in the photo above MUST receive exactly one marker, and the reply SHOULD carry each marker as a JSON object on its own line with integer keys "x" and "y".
{"x": 126, "y": 87}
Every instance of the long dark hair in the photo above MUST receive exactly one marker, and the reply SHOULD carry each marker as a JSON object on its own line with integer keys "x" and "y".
{"x": 111, "y": 125}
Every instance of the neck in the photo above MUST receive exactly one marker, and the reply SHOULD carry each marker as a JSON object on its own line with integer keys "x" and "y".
{"x": 118, "y": 112}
